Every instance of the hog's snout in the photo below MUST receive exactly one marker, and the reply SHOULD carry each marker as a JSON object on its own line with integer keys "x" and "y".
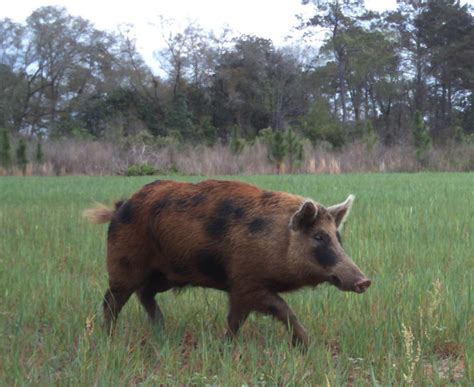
{"x": 362, "y": 286}
{"x": 348, "y": 277}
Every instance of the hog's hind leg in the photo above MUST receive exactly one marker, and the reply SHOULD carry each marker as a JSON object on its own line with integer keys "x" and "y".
{"x": 114, "y": 299}
{"x": 127, "y": 273}
{"x": 155, "y": 283}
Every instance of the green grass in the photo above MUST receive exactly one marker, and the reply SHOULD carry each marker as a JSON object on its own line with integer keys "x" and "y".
{"x": 412, "y": 234}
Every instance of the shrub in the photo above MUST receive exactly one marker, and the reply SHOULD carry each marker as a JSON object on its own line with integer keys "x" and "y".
{"x": 140, "y": 170}
{"x": 321, "y": 125}
{"x": 459, "y": 137}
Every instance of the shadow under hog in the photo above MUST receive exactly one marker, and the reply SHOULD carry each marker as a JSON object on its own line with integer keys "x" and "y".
{"x": 224, "y": 235}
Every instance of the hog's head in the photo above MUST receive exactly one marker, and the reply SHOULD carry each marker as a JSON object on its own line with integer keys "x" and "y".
{"x": 316, "y": 248}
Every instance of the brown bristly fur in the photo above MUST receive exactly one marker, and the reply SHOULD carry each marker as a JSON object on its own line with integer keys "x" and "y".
{"x": 99, "y": 214}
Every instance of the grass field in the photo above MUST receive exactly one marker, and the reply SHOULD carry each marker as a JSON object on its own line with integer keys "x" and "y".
{"x": 412, "y": 234}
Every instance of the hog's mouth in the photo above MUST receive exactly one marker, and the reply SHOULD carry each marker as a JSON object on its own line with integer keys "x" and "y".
{"x": 358, "y": 287}
{"x": 333, "y": 280}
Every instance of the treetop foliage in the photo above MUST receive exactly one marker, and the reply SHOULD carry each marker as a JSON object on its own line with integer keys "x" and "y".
{"x": 60, "y": 76}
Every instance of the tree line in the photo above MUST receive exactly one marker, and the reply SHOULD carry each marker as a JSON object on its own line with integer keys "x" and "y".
{"x": 375, "y": 76}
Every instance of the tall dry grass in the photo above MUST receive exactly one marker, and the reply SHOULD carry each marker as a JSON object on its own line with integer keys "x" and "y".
{"x": 74, "y": 157}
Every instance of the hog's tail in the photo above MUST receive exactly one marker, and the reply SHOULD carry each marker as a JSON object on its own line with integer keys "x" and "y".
{"x": 101, "y": 213}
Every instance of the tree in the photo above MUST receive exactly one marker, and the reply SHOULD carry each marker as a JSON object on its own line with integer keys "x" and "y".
{"x": 336, "y": 18}
{"x": 369, "y": 136}
{"x": 207, "y": 132}
{"x": 278, "y": 149}
{"x": 5, "y": 156}
{"x": 240, "y": 84}
{"x": 448, "y": 34}
{"x": 21, "y": 159}
{"x": 294, "y": 149}
{"x": 236, "y": 142}
{"x": 179, "y": 117}
{"x": 321, "y": 125}
{"x": 39, "y": 156}
{"x": 421, "y": 138}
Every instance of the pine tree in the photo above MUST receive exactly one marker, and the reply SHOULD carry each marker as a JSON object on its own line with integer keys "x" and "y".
{"x": 208, "y": 132}
{"x": 21, "y": 159}
{"x": 421, "y": 138}
{"x": 236, "y": 142}
{"x": 294, "y": 149}
{"x": 39, "y": 153}
{"x": 278, "y": 149}
{"x": 5, "y": 157}
{"x": 459, "y": 137}
{"x": 370, "y": 136}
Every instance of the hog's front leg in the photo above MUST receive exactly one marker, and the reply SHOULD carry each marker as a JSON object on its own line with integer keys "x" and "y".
{"x": 274, "y": 305}
{"x": 240, "y": 307}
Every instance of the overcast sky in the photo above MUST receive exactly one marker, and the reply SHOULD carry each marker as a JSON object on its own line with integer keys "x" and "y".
{"x": 272, "y": 19}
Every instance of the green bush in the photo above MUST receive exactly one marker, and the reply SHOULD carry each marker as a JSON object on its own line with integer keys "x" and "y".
{"x": 140, "y": 170}
{"x": 459, "y": 136}
{"x": 320, "y": 125}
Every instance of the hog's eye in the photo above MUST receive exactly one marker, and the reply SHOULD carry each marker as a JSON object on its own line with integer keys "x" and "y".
{"x": 318, "y": 237}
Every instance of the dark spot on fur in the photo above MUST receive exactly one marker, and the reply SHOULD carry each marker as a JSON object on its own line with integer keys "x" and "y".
{"x": 112, "y": 228}
{"x": 239, "y": 213}
{"x": 162, "y": 204}
{"x": 338, "y": 236}
{"x": 210, "y": 264}
{"x": 225, "y": 208}
{"x": 125, "y": 213}
{"x": 257, "y": 225}
{"x": 325, "y": 255}
{"x": 217, "y": 227}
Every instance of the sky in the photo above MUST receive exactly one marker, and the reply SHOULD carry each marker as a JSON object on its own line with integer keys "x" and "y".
{"x": 271, "y": 19}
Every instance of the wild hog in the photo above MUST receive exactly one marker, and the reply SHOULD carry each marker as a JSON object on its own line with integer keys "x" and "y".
{"x": 225, "y": 235}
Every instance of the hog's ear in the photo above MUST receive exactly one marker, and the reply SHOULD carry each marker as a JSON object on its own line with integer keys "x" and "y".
{"x": 341, "y": 211}
{"x": 304, "y": 217}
